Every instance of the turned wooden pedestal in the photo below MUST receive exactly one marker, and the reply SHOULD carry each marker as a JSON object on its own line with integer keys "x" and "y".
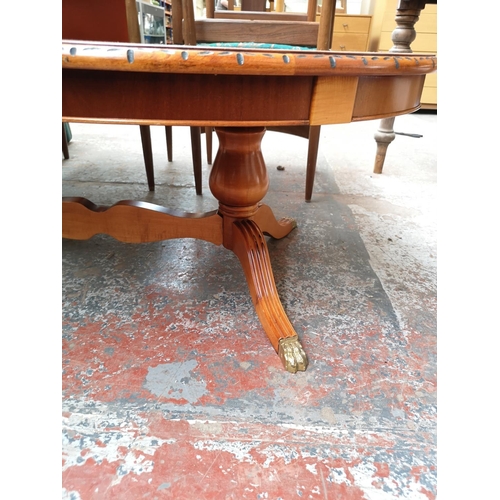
{"x": 239, "y": 182}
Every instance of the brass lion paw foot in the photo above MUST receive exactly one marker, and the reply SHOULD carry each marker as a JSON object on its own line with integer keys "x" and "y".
{"x": 292, "y": 355}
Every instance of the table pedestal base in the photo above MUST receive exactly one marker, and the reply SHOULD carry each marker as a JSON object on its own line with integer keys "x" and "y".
{"x": 239, "y": 181}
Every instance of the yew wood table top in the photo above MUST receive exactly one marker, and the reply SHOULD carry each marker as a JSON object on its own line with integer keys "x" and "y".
{"x": 240, "y": 92}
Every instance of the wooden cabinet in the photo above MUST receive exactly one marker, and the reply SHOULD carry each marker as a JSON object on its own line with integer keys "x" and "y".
{"x": 351, "y": 32}
{"x": 425, "y": 42}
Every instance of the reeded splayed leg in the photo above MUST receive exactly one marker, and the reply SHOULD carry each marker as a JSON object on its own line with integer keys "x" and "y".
{"x": 239, "y": 181}
{"x": 249, "y": 245}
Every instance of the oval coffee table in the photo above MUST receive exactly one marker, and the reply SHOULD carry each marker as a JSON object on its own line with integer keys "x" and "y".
{"x": 240, "y": 92}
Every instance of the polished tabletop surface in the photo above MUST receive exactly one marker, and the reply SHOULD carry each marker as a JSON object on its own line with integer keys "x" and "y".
{"x": 239, "y": 92}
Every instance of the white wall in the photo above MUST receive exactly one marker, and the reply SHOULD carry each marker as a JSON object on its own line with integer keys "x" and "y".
{"x": 364, "y": 7}
{"x": 353, "y": 6}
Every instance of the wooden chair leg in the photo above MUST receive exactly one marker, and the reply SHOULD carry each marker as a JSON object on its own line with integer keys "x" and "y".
{"x": 384, "y": 136}
{"x": 168, "y": 135}
{"x": 147, "y": 152}
{"x": 208, "y": 133}
{"x": 65, "y": 148}
{"x": 196, "y": 153}
{"x": 312, "y": 157}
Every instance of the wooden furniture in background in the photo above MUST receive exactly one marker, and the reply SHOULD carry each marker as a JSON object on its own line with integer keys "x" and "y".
{"x": 425, "y": 42}
{"x": 264, "y": 27}
{"x": 151, "y": 22}
{"x": 253, "y": 5}
{"x": 351, "y": 32}
{"x": 407, "y": 14}
{"x": 117, "y": 21}
{"x": 282, "y": 28}
{"x": 340, "y": 6}
{"x": 168, "y": 21}
{"x": 228, "y": 89}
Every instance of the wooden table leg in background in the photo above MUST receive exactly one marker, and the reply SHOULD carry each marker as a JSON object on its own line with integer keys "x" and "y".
{"x": 239, "y": 182}
{"x": 65, "y": 148}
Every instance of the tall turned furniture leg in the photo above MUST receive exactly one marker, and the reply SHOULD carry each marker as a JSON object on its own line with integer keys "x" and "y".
{"x": 407, "y": 14}
{"x": 383, "y": 136}
{"x": 239, "y": 181}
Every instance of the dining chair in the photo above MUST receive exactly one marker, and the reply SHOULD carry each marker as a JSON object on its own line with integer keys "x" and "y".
{"x": 118, "y": 21}
{"x": 267, "y": 30}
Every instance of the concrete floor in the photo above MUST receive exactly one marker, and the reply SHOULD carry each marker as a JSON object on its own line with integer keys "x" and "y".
{"x": 171, "y": 389}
